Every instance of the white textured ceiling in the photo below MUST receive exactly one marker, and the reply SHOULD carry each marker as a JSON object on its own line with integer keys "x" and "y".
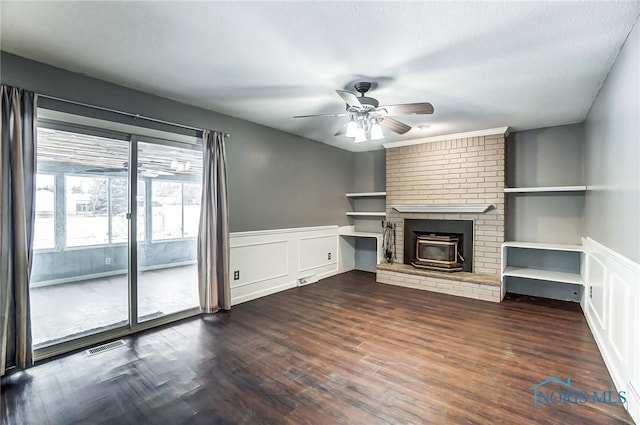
{"x": 482, "y": 65}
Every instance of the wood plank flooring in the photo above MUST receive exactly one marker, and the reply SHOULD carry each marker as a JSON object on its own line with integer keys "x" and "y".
{"x": 345, "y": 350}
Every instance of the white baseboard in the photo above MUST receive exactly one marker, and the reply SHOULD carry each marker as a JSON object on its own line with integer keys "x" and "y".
{"x": 611, "y": 300}
{"x": 328, "y": 274}
{"x": 262, "y": 293}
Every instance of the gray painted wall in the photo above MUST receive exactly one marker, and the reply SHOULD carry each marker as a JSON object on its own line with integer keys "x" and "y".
{"x": 550, "y": 156}
{"x": 370, "y": 171}
{"x": 612, "y": 135}
{"x": 545, "y": 157}
{"x": 276, "y": 179}
{"x": 551, "y": 218}
{"x": 366, "y": 258}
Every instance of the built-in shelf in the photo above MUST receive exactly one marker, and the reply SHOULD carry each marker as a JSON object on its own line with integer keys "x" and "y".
{"x": 545, "y": 189}
{"x": 367, "y": 195}
{"x": 361, "y": 234}
{"x": 545, "y": 246}
{"x": 550, "y": 270}
{"x": 442, "y": 208}
{"x": 348, "y": 237}
{"x": 366, "y": 214}
{"x": 548, "y": 275}
{"x": 542, "y": 269}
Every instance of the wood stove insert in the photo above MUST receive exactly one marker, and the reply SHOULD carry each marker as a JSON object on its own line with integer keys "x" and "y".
{"x": 438, "y": 252}
{"x": 440, "y": 245}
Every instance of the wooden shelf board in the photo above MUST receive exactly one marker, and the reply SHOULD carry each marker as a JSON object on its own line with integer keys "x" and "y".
{"x": 362, "y": 234}
{"x": 548, "y": 275}
{"x": 366, "y": 214}
{"x": 442, "y": 208}
{"x": 366, "y": 195}
{"x": 545, "y": 189}
{"x": 544, "y": 246}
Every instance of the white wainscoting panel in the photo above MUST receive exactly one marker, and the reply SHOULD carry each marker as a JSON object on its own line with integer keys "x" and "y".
{"x": 271, "y": 261}
{"x": 612, "y": 312}
{"x": 274, "y": 262}
{"x": 596, "y": 293}
{"x": 317, "y": 252}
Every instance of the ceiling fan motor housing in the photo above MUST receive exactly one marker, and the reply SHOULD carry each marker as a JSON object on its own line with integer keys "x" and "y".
{"x": 362, "y": 87}
{"x": 369, "y": 103}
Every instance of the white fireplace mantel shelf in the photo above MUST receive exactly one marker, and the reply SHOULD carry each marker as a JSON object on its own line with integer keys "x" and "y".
{"x": 443, "y": 208}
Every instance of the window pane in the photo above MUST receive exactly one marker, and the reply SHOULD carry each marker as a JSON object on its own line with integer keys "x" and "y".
{"x": 191, "y": 199}
{"x": 119, "y": 207}
{"x": 166, "y": 209}
{"x": 87, "y": 211}
{"x": 44, "y": 232}
{"x": 141, "y": 209}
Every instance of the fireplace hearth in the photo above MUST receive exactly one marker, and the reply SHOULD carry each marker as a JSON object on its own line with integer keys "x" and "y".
{"x": 439, "y": 245}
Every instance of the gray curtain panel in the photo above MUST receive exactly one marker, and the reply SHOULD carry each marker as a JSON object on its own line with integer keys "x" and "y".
{"x": 17, "y": 192}
{"x": 213, "y": 234}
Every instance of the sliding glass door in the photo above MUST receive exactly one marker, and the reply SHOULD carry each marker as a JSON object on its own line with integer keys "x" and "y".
{"x": 166, "y": 256}
{"x": 95, "y": 270}
{"x": 79, "y": 278}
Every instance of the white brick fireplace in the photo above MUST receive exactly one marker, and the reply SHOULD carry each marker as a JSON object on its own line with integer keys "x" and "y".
{"x": 454, "y": 171}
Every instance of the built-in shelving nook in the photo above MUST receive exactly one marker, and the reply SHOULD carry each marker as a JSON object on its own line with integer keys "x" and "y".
{"x": 545, "y": 196}
{"x": 362, "y": 239}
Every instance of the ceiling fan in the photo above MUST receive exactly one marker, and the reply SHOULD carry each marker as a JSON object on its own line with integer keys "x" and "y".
{"x": 367, "y": 116}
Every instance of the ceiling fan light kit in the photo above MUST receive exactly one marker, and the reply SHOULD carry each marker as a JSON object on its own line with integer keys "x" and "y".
{"x": 376, "y": 132}
{"x": 361, "y": 136}
{"x": 366, "y": 116}
{"x": 352, "y": 128}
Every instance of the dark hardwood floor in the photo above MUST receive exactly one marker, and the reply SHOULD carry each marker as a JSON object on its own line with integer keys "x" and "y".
{"x": 345, "y": 350}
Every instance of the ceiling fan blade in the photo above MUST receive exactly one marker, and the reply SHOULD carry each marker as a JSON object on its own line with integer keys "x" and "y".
{"x": 350, "y": 98}
{"x": 395, "y": 125}
{"x": 320, "y": 115}
{"x": 422, "y": 108}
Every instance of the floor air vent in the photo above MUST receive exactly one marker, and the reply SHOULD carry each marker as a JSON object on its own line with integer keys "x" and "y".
{"x": 105, "y": 347}
{"x": 307, "y": 280}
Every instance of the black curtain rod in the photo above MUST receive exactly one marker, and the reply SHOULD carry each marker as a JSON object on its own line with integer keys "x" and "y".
{"x": 128, "y": 114}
